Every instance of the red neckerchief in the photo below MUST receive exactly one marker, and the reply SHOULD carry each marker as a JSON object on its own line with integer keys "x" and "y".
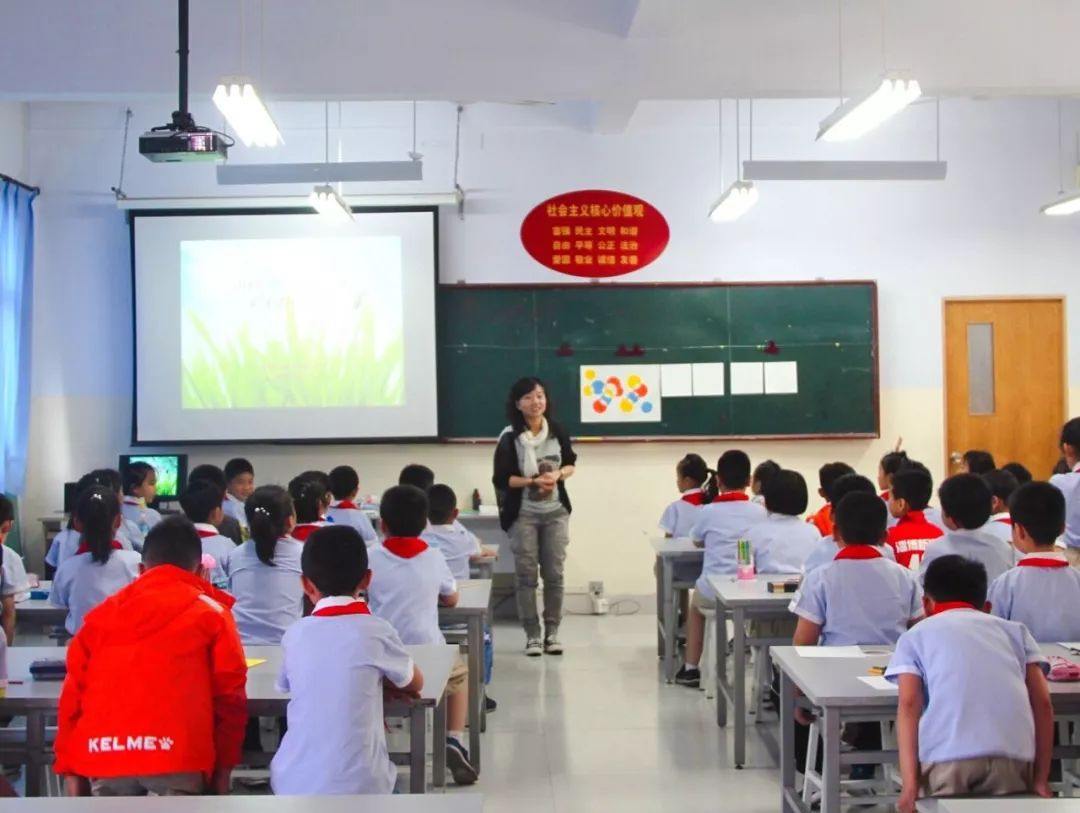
{"x": 858, "y": 552}
{"x": 1004, "y": 520}
{"x": 301, "y": 532}
{"x": 348, "y": 505}
{"x": 358, "y": 607}
{"x": 405, "y": 547}
{"x": 733, "y": 496}
{"x": 1038, "y": 561}
{"x": 204, "y": 534}
{"x": 694, "y": 498}
{"x": 945, "y": 606}
{"x": 84, "y": 547}
{"x": 885, "y": 495}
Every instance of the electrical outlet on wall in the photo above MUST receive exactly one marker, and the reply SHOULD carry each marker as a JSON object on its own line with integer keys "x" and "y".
{"x": 596, "y": 589}
{"x": 596, "y": 598}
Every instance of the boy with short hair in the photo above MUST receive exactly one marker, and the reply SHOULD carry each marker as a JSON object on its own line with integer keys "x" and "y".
{"x": 410, "y": 580}
{"x": 154, "y": 700}
{"x": 974, "y": 714}
{"x": 912, "y": 487}
{"x": 782, "y": 542}
{"x": 1019, "y": 471}
{"x": 1042, "y": 591}
{"x": 1069, "y": 484}
{"x": 14, "y": 584}
{"x": 209, "y": 473}
{"x": 719, "y": 527}
{"x": 336, "y": 664}
{"x": 827, "y": 477}
{"x": 827, "y": 548}
{"x": 454, "y": 541}
{"x": 965, "y": 508}
{"x": 345, "y": 485}
{"x": 202, "y": 504}
{"x": 239, "y": 484}
{"x": 1002, "y": 484}
{"x": 417, "y": 475}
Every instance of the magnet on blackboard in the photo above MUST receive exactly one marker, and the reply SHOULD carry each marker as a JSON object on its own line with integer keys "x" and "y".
{"x": 771, "y": 348}
{"x": 622, "y": 351}
{"x": 565, "y": 350}
{"x": 637, "y": 350}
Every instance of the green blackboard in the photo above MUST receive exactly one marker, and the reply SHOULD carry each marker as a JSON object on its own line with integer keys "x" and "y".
{"x": 491, "y": 335}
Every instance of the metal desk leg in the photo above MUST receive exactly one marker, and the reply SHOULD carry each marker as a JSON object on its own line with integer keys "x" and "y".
{"x": 418, "y": 747}
{"x": 661, "y": 599}
{"x": 35, "y": 753}
{"x": 476, "y": 685}
{"x": 738, "y": 700}
{"x": 671, "y": 619}
{"x": 720, "y": 644}
{"x": 438, "y": 748}
{"x": 830, "y": 769}
{"x": 787, "y": 743}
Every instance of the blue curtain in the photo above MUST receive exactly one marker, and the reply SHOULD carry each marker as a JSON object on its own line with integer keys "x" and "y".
{"x": 16, "y": 277}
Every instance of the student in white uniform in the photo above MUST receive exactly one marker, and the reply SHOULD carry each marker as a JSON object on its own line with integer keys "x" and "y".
{"x": 409, "y": 581}
{"x": 691, "y": 476}
{"x": 826, "y": 548}
{"x": 14, "y": 585}
{"x": 782, "y": 543}
{"x": 1069, "y": 484}
{"x": 719, "y": 527}
{"x": 140, "y": 490}
{"x": 100, "y": 566}
{"x": 1042, "y": 592}
{"x": 66, "y": 542}
{"x": 890, "y": 464}
{"x": 458, "y": 545}
{"x": 239, "y": 485}
{"x": 965, "y": 506}
{"x": 310, "y": 492}
{"x": 334, "y": 665}
{"x": 763, "y": 472}
{"x": 201, "y": 502}
{"x": 345, "y": 486}
{"x": 1002, "y": 484}
{"x": 974, "y": 716}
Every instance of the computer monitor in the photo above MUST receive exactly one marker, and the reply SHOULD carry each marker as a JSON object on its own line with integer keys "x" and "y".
{"x": 70, "y": 495}
{"x": 171, "y": 471}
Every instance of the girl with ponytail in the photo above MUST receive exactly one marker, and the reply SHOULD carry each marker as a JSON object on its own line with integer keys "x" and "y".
{"x": 264, "y": 572}
{"x": 100, "y": 565}
{"x": 311, "y": 498}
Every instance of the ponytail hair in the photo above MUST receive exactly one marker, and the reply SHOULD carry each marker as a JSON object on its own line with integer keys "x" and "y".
{"x": 693, "y": 467}
{"x": 711, "y": 487}
{"x": 892, "y": 462}
{"x": 310, "y": 495}
{"x": 268, "y": 510}
{"x": 96, "y": 510}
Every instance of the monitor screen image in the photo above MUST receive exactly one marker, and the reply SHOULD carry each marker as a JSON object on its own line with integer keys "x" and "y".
{"x": 171, "y": 471}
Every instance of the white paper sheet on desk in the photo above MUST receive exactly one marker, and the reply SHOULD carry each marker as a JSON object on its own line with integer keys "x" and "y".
{"x": 1072, "y": 646}
{"x": 879, "y": 683}
{"x": 830, "y": 652}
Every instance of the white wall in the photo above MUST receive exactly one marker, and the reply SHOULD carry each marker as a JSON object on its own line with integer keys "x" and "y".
{"x": 977, "y": 233}
{"x": 12, "y": 139}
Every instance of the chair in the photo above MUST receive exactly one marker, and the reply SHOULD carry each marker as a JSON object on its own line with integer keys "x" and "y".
{"x": 708, "y": 654}
{"x": 812, "y": 782}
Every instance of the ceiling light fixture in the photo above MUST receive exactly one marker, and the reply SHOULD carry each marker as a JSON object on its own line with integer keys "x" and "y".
{"x": 246, "y": 114}
{"x": 858, "y": 116}
{"x": 331, "y": 205}
{"x": 740, "y": 197}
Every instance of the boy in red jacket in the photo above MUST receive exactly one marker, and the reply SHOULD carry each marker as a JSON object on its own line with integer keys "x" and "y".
{"x": 154, "y": 698}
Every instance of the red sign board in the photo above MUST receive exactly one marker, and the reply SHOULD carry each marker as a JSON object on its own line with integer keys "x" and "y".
{"x": 594, "y": 233}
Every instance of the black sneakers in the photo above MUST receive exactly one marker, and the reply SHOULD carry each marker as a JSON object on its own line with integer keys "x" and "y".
{"x": 457, "y": 762}
{"x": 489, "y": 704}
{"x": 688, "y": 677}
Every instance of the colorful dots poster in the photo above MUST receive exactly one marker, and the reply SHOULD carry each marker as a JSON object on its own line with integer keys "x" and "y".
{"x": 620, "y": 393}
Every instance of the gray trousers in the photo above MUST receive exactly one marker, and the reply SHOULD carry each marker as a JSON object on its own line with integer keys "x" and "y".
{"x": 166, "y": 784}
{"x": 538, "y": 542}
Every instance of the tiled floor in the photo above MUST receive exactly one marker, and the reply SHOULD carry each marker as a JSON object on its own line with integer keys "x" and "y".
{"x": 597, "y": 730}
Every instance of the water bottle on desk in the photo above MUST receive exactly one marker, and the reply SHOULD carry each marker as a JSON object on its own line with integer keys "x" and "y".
{"x": 745, "y": 562}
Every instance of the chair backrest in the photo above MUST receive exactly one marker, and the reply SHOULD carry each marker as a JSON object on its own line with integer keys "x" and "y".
{"x": 14, "y": 539}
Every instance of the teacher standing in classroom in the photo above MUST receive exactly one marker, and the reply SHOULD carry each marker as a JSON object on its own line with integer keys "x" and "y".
{"x": 533, "y": 460}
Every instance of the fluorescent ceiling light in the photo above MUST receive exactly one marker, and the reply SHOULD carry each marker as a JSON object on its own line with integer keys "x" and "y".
{"x": 734, "y": 203}
{"x": 321, "y": 173}
{"x": 842, "y": 170}
{"x": 246, "y": 113}
{"x": 381, "y": 200}
{"x": 327, "y": 202}
{"x": 1068, "y": 205}
{"x": 858, "y": 116}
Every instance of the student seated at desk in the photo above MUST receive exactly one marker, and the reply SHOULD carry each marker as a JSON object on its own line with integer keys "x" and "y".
{"x": 310, "y": 492}
{"x": 417, "y": 475}
{"x": 66, "y": 542}
{"x": 783, "y": 541}
{"x": 100, "y": 566}
{"x": 965, "y": 508}
{"x": 827, "y": 548}
{"x": 14, "y": 584}
{"x": 140, "y": 489}
{"x": 209, "y": 473}
{"x": 202, "y": 502}
{"x": 890, "y": 464}
{"x": 1067, "y": 478}
{"x": 974, "y": 716}
{"x": 345, "y": 485}
{"x": 1002, "y": 484}
{"x": 827, "y": 476}
{"x": 239, "y": 485}
{"x": 912, "y": 488}
{"x": 1042, "y": 592}
{"x": 335, "y": 665}
{"x": 691, "y": 477}
{"x": 456, "y": 543}
{"x": 1019, "y": 471}
{"x": 763, "y": 472}
{"x": 154, "y": 700}
{"x": 719, "y": 527}
{"x": 409, "y": 581}
{"x": 977, "y": 461}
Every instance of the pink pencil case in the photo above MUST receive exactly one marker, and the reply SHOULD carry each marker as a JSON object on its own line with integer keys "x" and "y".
{"x": 1062, "y": 670}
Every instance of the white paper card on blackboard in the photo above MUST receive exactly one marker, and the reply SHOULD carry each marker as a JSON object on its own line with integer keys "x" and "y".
{"x": 708, "y": 379}
{"x": 782, "y": 378}
{"x": 747, "y": 378}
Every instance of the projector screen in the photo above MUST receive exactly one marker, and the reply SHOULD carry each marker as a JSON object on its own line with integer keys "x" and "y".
{"x": 255, "y": 326}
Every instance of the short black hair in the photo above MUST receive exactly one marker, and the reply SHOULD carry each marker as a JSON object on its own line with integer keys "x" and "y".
{"x": 967, "y": 500}
{"x": 7, "y": 510}
{"x": 135, "y": 474}
{"x": 1070, "y": 433}
{"x": 851, "y": 484}
{"x": 310, "y": 492}
{"x": 237, "y": 466}
{"x": 110, "y": 478}
{"x": 860, "y": 519}
{"x": 892, "y": 462}
{"x": 693, "y": 467}
{"x": 404, "y": 509}
{"x": 1061, "y": 467}
{"x": 335, "y": 560}
{"x": 956, "y": 578}
{"x": 1001, "y": 483}
{"x": 209, "y": 473}
{"x": 441, "y": 503}
{"x": 418, "y": 475}
{"x": 765, "y": 471}
{"x": 173, "y": 541}
{"x": 1019, "y": 471}
{"x": 343, "y": 482}
{"x": 200, "y": 499}
{"x": 733, "y": 469}
{"x": 785, "y": 493}
{"x": 979, "y": 461}
{"x": 830, "y": 473}
{"x": 914, "y": 484}
{"x": 1040, "y": 509}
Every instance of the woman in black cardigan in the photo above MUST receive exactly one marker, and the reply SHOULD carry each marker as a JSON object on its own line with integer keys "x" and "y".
{"x": 533, "y": 460}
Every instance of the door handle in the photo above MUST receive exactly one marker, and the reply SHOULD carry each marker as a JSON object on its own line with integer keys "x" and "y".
{"x": 956, "y": 457}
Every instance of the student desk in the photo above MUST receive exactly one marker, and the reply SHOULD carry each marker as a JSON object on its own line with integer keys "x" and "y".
{"x": 739, "y": 602}
{"x": 38, "y": 612}
{"x": 1013, "y": 804}
{"x": 668, "y": 552}
{"x": 832, "y": 688}
{"x": 474, "y": 598}
{"x": 453, "y": 803}
{"x": 484, "y": 568}
{"x": 37, "y": 700}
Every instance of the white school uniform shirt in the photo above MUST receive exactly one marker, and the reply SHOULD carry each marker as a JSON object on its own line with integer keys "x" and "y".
{"x": 826, "y": 549}
{"x": 1000, "y": 525}
{"x": 978, "y": 545}
{"x": 67, "y": 541}
{"x": 139, "y": 514}
{"x": 934, "y": 516}
{"x": 269, "y": 598}
{"x": 346, "y": 512}
{"x": 13, "y": 579}
{"x": 333, "y": 665}
{"x": 457, "y": 546}
{"x": 782, "y": 543}
{"x": 407, "y": 578}
{"x": 81, "y": 584}
{"x": 859, "y": 600}
{"x": 219, "y": 547}
{"x": 1043, "y": 593}
{"x": 973, "y": 669}
{"x": 678, "y": 518}
{"x": 720, "y": 525}
{"x": 234, "y": 508}
{"x": 1069, "y": 485}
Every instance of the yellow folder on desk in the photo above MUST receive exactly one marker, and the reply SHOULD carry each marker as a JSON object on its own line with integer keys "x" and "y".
{"x": 254, "y": 661}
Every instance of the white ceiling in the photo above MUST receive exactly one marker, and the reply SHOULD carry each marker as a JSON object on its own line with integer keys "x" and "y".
{"x": 609, "y": 53}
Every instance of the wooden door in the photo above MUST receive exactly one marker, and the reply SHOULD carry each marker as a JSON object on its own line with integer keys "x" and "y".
{"x": 1005, "y": 380}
